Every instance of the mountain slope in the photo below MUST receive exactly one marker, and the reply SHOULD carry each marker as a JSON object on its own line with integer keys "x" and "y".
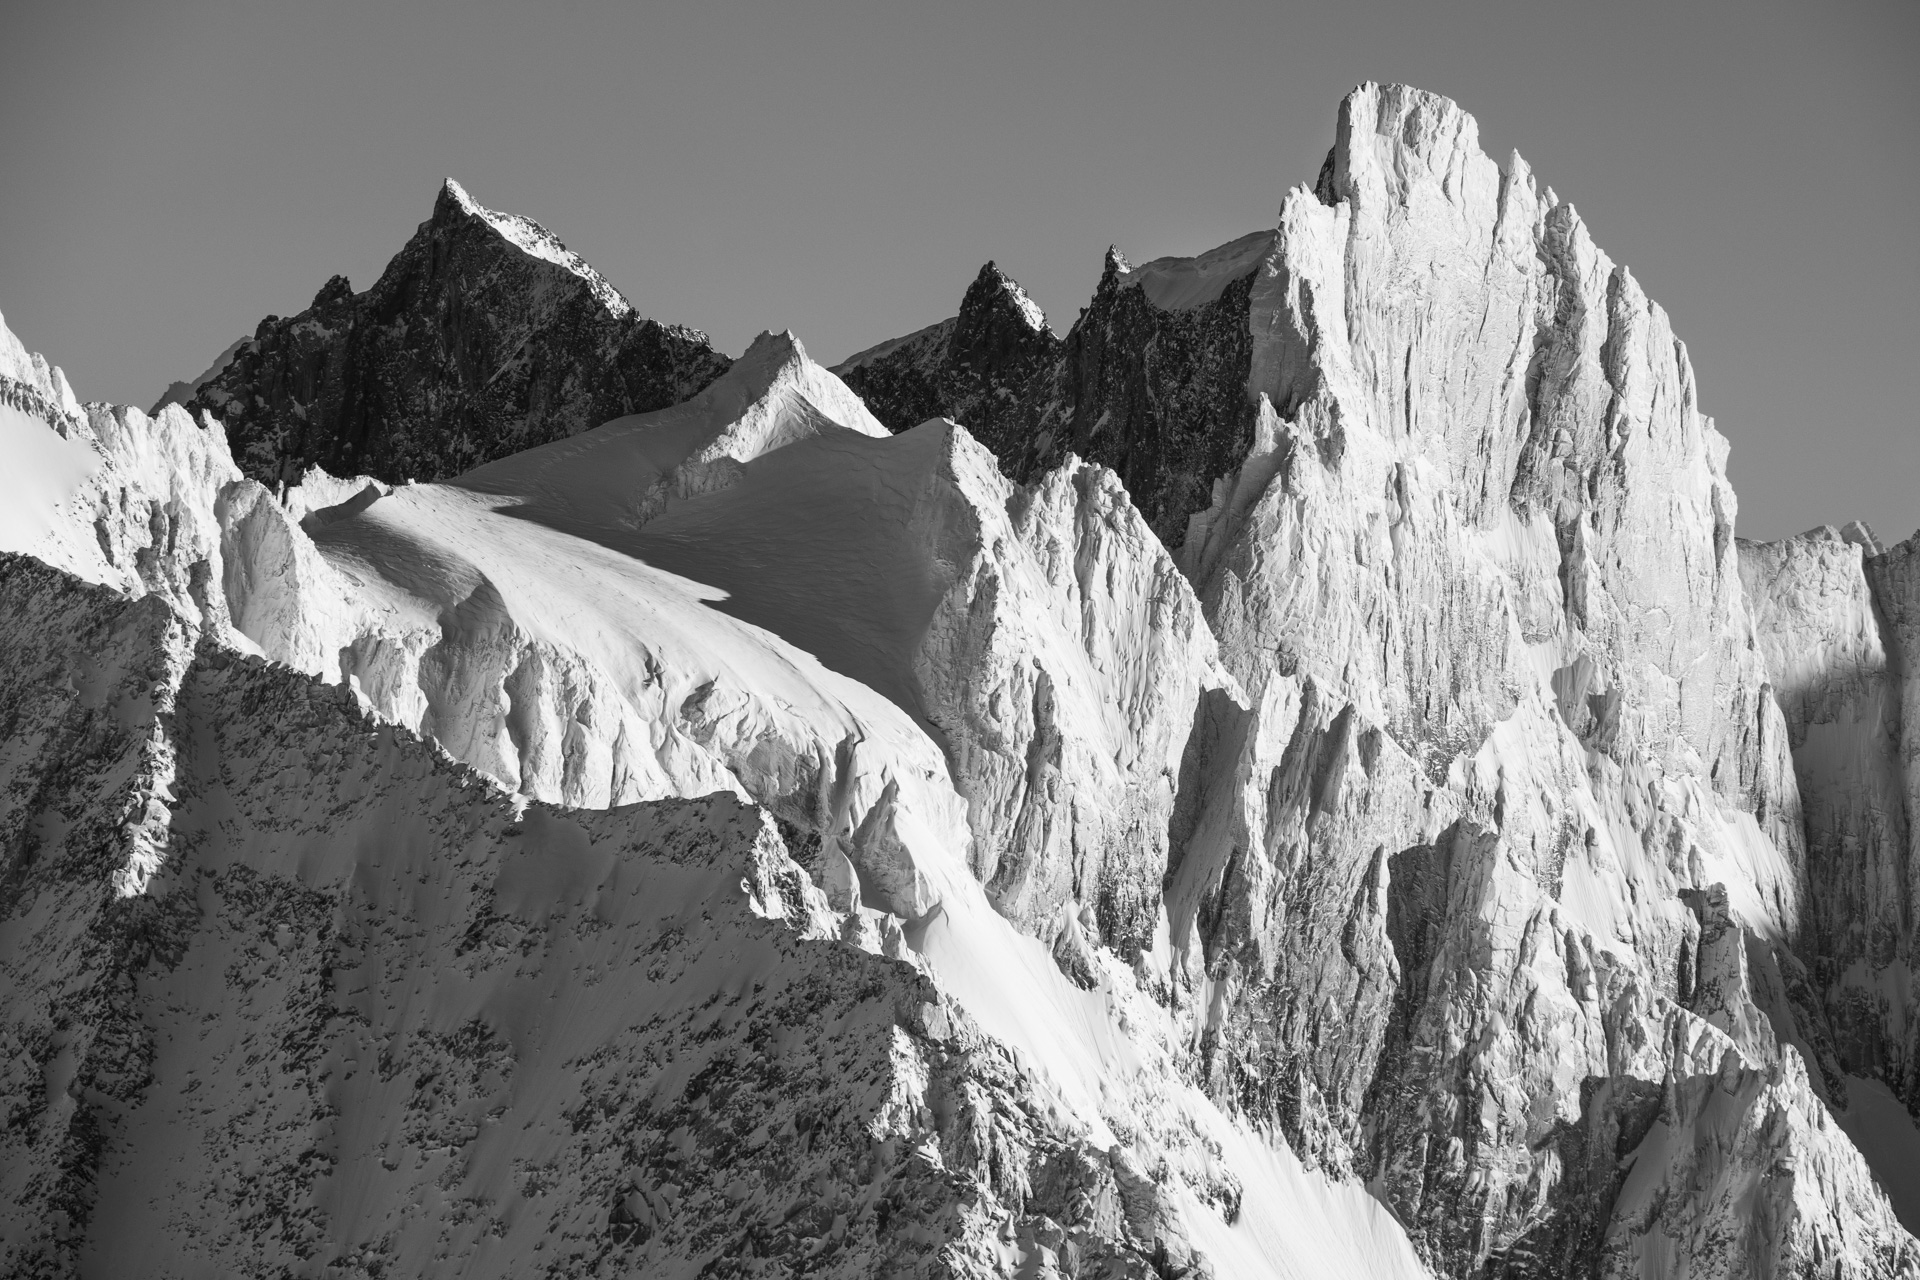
{"x": 1435, "y": 468}
{"x": 1389, "y": 791}
{"x": 292, "y": 988}
{"x": 482, "y": 337}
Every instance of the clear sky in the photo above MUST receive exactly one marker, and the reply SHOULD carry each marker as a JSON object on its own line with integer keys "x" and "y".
{"x": 175, "y": 171}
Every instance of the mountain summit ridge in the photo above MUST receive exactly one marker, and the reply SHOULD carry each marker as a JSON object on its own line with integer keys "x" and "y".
{"x": 483, "y": 336}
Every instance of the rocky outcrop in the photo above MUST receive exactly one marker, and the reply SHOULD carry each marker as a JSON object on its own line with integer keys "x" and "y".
{"x": 993, "y": 367}
{"x": 484, "y": 336}
{"x": 1483, "y": 511}
{"x": 1148, "y": 382}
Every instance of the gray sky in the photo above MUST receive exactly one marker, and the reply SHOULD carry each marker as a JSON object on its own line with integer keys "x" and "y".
{"x": 175, "y": 171}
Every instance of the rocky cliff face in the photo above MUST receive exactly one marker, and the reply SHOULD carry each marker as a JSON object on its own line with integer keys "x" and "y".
{"x": 1838, "y": 619}
{"x": 1339, "y": 784}
{"x": 483, "y": 337}
{"x": 1505, "y": 843}
{"x": 994, "y": 366}
{"x": 1151, "y": 391}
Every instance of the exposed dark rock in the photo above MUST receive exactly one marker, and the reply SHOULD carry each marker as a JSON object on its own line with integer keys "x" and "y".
{"x": 1156, "y": 392}
{"x": 483, "y": 337}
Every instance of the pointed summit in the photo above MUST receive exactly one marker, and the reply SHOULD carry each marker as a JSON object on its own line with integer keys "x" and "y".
{"x": 454, "y": 206}
{"x": 773, "y": 396}
{"x": 1391, "y": 137}
{"x": 452, "y": 193}
{"x": 997, "y": 352}
{"x": 485, "y": 335}
{"x": 32, "y": 385}
{"x": 994, "y": 290}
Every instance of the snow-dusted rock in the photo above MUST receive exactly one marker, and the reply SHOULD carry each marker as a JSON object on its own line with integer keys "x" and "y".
{"x": 1826, "y": 642}
{"x": 1508, "y": 791}
{"x": 1167, "y": 422}
{"x": 618, "y": 1040}
{"x": 1040, "y": 634}
{"x": 482, "y": 337}
{"x": 993, "y": 367}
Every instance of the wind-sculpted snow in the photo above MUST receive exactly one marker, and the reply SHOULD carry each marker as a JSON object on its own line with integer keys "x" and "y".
{"x": 482, "y": 337}
{"x": 1041, "y": 636}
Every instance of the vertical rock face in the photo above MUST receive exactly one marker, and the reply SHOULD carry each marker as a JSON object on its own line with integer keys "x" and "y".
{"x": 483, "y": 337}
{"x": 1839, "y": 624}
{"x": 1483, "y": 513}
{"x": 1500, "y": 855}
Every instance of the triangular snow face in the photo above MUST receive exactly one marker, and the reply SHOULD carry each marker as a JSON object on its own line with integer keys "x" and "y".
{"x": 484, "y": 336}
{"x": 623, "y": 473}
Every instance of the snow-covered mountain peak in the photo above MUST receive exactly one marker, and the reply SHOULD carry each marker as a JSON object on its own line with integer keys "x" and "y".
{"x": 1461, "y": 812}
{"x": 1393, "y": 134}
{"x": 531, "y": 238}
{"x": 624, "y": 472}
{"x": 483, "y": 337}
{"x": 1185, "y": 283}
{"x": 27, "y": 377}
{"x": 995, "y": 287}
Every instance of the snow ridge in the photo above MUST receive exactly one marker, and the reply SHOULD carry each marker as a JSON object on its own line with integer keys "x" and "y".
{"x": 536, "y": 241}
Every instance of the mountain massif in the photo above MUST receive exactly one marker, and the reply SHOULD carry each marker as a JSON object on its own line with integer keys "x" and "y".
{"x": 1297, "y": 776}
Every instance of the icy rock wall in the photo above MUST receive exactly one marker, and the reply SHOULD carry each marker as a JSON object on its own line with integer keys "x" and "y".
{"x": 1061, "y": 670}
{"x": 1483, "y": 511}
{"x": 1836, "y": 621}
{"x": 1505, "y": 825}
